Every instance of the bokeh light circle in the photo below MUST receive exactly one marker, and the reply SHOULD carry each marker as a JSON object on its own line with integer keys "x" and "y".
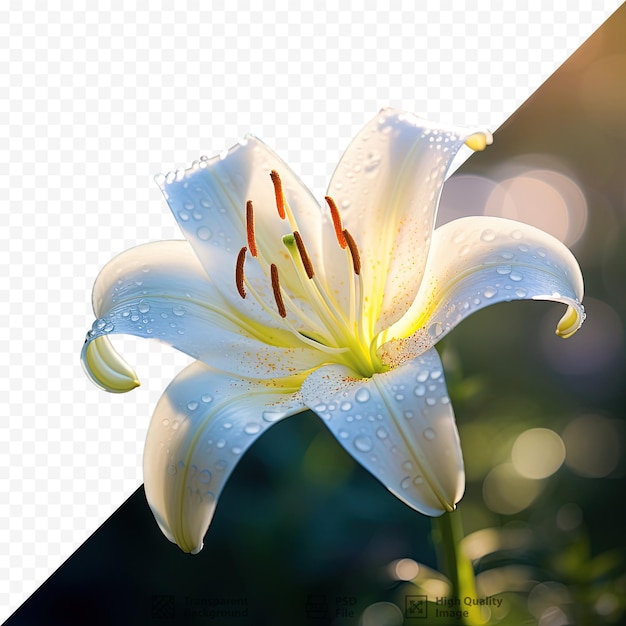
{"x": 537, "y": 453}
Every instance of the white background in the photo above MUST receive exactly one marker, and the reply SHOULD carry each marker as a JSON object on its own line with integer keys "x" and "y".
{"x": 94, "y": 102}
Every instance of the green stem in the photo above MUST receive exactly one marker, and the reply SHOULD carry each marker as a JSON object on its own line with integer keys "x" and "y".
{"x": 447, "y": 534}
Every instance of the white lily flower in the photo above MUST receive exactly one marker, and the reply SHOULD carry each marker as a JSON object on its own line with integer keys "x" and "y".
{"x": 286, "y": 305}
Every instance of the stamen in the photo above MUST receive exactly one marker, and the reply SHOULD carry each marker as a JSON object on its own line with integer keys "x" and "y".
{"x": 278, "y": 191}
{"x": 354, "y": 252}
{"x": 241, "y": 257}
{"x": 304, "y": 255}
{"x": 278, "y": 296}
{"x": 250, "y": 228}
{"x": 334, "y": 213}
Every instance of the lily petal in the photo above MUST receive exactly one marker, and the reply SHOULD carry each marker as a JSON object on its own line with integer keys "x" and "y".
{"x": 160, "y": 291}
{"x": 399, "y": 425}
{"x": 201, "y": 427}
{"x": 387, "y": 187}
{"x": 478, "y": 261}
{"x": 208, "y": 201}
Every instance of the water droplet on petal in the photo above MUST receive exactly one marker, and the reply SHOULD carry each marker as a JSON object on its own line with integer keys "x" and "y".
{"x": 520, "y": 292}
{"x": 251, "y": 428}
{"x": 418, "y": 480}
{"x": 192, "y": 406}
{"x": 204, "y": 477}
{"x": 420, "y": 390}
{"x": 516, "y": 276}
{"x": 408, "y": 415}
{"x": 166, "y": 422}
{"x": 204, "y": 233}
{"x": 346, "y": 406}
{"x": 490, "y": 292}
{"x": 431, "y": 401}
{"x": 206, "y": 398}
{"x": 179, "y": 311}
{"x": 220, "y": 443}
{"x": 488, "y": 235}
{"x": 405, "y": 483}
{"x": 503, "y": 270}
{"x": 344, "y": 434}
{"x": 381, "y": 433}
{"x": 272, "y": 416}
{"x": 435, "y": 330}
{"x": 363, "y": 443}
{"x": 362, "y": 395}
{"x": 143, "y": 307}
{"x": 429, "y": 434}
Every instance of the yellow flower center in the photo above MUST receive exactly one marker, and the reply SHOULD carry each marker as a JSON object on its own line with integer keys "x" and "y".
{"x": 343, "y": 333}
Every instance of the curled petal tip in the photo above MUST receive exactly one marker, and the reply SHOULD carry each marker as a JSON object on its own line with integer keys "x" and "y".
{"x": 570, "y": 322}
{"x": 106, "y": 368}
{"x": 478, "y": 141}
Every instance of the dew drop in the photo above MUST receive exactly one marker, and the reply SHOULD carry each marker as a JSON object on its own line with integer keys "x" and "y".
{"x": 503, "y": 270}
{"x": 405, "y": 483}
{"x": 236, "y": 450}
{"x": 517, "y": 234}
{"x": 184, "y": 216}
{"x": 418, "y": 480}
{"x": 408, "y": 415}
{"x": 344, "y": 434}
{"x": 179, "y": 311}
{"x": 399, "y": 397}
{"x": 488, "y": 235}
{"x": 192, "y": 406}
{"x": 204, "y": 233}
{"x": 362, "y": 395}
{"x": 422, "y": 376}
{"x": 523, "y": 247}
{"x": 204, "y": 477}
{"x": 108, "y": 327}
{"x": 429, "y": 434}
{"x": 516, "y": 276}
{"x": 175, "y": 425}
{"x": 272, "y": 416}
{"x": 489, "y": 292}
{"x": 251, "y": 428}
{"x": 206, "y": 398}
{"x": 363, "y": 443}
{"x": 220, "y": 443}
{"x": 346, "y": 406}
{"x": 520, "y": 292}
{"x": 227, "y": 425}
{"x": 407, "y": 465}
{"x": 381, "y": 433}
{"x": 420, "y": 390}
{"x": 435, "y": 330}
{"x": 435, "y": 374}
{"x": 143, "y": 307}
{"x": 431, "y": 401}
{"x": 166, "y": 422}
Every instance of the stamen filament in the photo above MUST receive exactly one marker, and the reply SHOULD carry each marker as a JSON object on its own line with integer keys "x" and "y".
{"x": 304, "y": 255}
{"x": 278, "y": 296}
{"x": 250, "y": 228}
{"x": 334, "y": 214}
{"x": 239, "y": 276}
{"x": 354, "y": 252}
{"x": 278, "y": 191}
